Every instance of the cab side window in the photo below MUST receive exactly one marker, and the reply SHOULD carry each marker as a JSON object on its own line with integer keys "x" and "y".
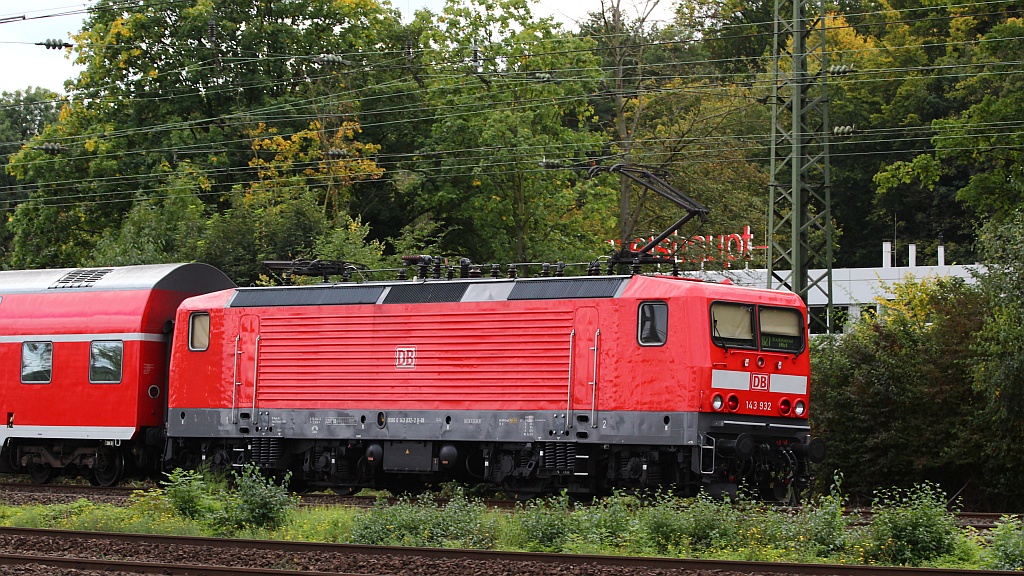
{"x": 652, "y": 324}
{"x": 199, "y": 331}
{"x": 36, "y": 362}
{"x": 105, "y": 358}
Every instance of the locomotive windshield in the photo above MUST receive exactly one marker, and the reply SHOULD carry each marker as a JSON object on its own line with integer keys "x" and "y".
{"x": 734, "y": 325}
{"x": 781, "y": 329}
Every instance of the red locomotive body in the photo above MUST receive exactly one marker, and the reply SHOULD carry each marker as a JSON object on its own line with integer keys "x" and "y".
{"x": 582, "y": 383}
{"x": 84, "y": 364}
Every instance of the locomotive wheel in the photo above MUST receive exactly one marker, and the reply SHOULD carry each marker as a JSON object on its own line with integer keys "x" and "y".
{"x": 346, "y": 490}
{"x": 40, "y": 473}
{"x": 108, "y": 468}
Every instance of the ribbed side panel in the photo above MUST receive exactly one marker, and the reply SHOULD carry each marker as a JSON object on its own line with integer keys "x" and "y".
{"x": 431, "y": 358}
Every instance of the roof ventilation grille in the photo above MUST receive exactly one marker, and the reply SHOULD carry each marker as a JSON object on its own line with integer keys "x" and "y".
{"x": 81, "y": 278}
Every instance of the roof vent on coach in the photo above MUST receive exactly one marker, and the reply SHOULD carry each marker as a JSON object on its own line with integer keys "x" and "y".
{"x": 81, "y": 278}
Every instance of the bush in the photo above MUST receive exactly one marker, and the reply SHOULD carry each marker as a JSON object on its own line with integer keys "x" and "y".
{"x": 822, "y": 524}
{"x": 603, "y": 527}
{"x": 540, "y": 525}
{"x": 1006, "y": 546}
{"x": 708, "y": 522}
{"x": 257, "y": 501}
{"x": 461, "y": 522}
{"x": 189, "y": 494}
{"x": 320, "y": 524}
{"x": 661, "y": 527}
{"x": 911, "y": 527}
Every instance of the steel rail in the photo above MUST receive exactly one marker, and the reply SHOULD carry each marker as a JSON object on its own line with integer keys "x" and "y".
{"x": 131, "y": 566}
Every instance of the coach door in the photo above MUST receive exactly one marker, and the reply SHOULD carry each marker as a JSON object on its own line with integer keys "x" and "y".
{"x": 585, "y": 372}
{"x": 247, "y": 346}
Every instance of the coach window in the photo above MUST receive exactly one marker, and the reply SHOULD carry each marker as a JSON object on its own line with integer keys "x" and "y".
{"x": 105, "y": 361}
{"x": 36, "y": 362}
{"x": 782, "y": 329}
{"x": 199, "y": 331}
{"x": 732, "y": 325}
{"x": 652, "y": 324}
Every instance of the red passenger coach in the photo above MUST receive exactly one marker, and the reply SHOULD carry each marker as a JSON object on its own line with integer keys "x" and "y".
{"x": 579, "y": 383}
{"x": 84, "y": 365}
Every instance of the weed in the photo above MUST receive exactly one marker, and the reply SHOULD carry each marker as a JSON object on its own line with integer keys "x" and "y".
{"x": 911, "y": 527}
{"x": 1006, "y": 546}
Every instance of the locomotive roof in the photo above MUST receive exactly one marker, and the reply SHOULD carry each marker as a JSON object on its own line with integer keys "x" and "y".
{"x": 472, "y": 290}
{"x": 191, "y": 277}
{"x": 420, "y": 292}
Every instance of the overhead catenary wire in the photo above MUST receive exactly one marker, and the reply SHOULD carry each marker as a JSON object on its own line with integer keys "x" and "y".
{"x": 442, "y": 115}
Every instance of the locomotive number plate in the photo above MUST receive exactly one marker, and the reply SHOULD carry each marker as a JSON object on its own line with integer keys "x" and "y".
{"x": 759, "y": 406}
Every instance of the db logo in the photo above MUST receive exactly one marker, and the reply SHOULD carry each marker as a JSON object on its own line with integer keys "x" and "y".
{"x": 405, "y": 357}
{"x": 759, "y": 382}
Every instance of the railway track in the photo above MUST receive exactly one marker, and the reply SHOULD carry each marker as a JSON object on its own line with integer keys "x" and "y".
{"x": 146, "y": 554}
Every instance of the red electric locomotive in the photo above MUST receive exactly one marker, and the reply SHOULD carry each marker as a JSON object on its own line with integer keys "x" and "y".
{"x": 534, "y": 385}
{"x": 84, "y": 365}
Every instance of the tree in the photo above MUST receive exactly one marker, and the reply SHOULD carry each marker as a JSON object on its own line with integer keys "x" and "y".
{"x": 624, "y": 41}
{"x": 23, "y": 115}
{"x": 168, "y": 227}
{"x": 999, "y": 369}
{"x": 984, "y": 140}
{"x": 509, "y": 93}
{"x": 919, "y": 73}
{"x": 893, "y": 399}
{"x": 166, "y": 84}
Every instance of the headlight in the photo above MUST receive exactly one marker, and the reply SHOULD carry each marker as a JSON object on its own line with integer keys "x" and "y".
{"x": 717, "y": 402}
{"x": 801, "y": 408}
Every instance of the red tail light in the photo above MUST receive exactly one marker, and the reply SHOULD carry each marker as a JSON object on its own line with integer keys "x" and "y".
{"x": 732, "y": 403}
{"x": 785, "y": 406}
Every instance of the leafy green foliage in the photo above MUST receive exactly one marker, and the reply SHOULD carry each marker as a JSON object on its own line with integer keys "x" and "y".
{"x": 460, "y": 522}
{"x": 540, "y": 524}
{"x": 1006, "y": 545}
{"x": 911, "y": 527}
{"x": 189, "y": 494}
{"x": 999, "y": 370}
{"x": 257, "y": 501}
{"x": 250, "y": 502}
{"x": 888, "y": 390}
{"x": 518, "y": 111}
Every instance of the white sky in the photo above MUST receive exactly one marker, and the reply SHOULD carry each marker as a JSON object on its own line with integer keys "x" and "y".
{"x": 26, "y": 64}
